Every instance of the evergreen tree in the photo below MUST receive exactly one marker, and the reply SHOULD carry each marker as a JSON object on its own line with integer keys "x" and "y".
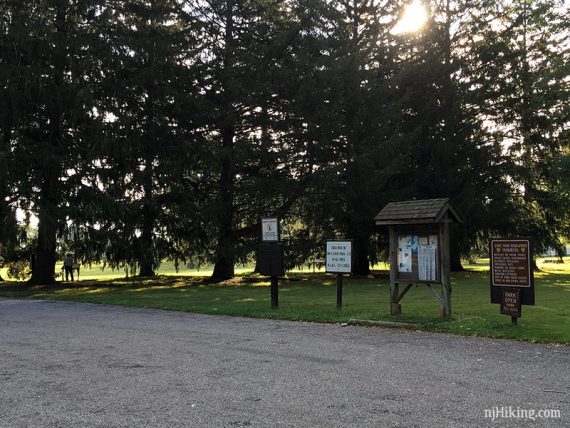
{"x": 563, "y": 169}
{"x": 245, "y": 44}
{"x": 350, "y": 113}
{"x": 528, "y": 87}
{"x": 367, "y": 118}
{"x": 149, "y": 158}
{"x": 9, "y": 20}
{"x": 455, "y": 156}
{"x": 51, "y": 110}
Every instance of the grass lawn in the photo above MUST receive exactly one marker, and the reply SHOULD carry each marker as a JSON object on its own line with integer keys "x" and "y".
{"x": 307, "y": 296}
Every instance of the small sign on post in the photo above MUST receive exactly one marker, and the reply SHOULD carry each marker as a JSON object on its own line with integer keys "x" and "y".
{"x": 511, "y": 303}
{"x": 512, "y": 279}
{"x": 271, "y": 255}
{"x": 270, "y": 229}
{"x": 339, "y": 261}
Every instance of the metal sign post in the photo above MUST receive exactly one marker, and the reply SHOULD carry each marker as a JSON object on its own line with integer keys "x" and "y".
{"x": 274, "y": 292}
{"x": 339, "y": 261}
{"x": 271, "y": 255}
{"x": 339, "y": 291}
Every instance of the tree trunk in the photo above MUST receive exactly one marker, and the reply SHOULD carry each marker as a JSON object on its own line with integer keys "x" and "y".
{"x": 44, "y": 269}
{"x": 48, "y": 212}
{"x": 256, "y": 269}
{"x": 225, "y": 257}
{"x": 455, "y": 261}
{"x": 146, "y": 269}
{"x": 455, "y": 250}
{"x": 360, "y": 258}
{"x": 223, "y": 269}
{"x": 146, "y": 249}
{"x": 146, "y": 257}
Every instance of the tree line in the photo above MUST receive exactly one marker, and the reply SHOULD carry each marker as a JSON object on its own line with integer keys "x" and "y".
{"x": 144, "y": 130}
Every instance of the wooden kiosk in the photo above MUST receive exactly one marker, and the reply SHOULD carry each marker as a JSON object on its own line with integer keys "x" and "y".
{"x": 419, "y": 248}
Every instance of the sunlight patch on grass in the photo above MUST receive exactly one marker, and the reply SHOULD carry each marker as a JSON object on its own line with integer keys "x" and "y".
{"x": 95, "y": 290}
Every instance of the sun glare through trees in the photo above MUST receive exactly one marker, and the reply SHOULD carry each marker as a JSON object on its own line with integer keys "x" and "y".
{"x": 413, "y": 18}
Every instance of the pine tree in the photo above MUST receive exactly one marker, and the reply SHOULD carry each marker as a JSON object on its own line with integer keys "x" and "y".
{"x": 148, "y": 164}
{"x": 8, "y": 60}
{"x": 452, "y": 152}
{"x": 51, "y": 110}
{"x": 366, "y": 121}
{"x": 350, "y": 114}
{"x": 528, "y": 86}
{"x": 244, "y": 41}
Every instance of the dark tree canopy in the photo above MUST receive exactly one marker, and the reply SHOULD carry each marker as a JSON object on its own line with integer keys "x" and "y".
{"x": 149, "y": 130}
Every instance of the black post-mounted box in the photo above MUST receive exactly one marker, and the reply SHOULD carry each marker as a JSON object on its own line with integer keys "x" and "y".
{"x": 270, "y": 259}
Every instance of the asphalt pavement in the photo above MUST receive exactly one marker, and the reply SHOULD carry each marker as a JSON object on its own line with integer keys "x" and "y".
{"x": 84, "y": 365}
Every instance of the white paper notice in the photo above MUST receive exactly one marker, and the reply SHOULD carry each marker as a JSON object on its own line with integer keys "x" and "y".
{"x": 339, "y": 256}
{"x": 427, "y": 262}
{"x": 405, "y": 244}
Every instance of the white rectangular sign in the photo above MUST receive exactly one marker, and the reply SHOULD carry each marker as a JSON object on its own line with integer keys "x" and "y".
{"x": 270, "y": 229}
{"x": 339, "y": 256}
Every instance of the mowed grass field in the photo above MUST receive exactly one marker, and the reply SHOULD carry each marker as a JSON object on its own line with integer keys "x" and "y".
{"x": 308, "y": 296}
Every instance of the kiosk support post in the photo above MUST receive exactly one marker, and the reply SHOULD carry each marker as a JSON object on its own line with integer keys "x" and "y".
{"x": 395, "y": 307}
{"x": 445, "y": 266}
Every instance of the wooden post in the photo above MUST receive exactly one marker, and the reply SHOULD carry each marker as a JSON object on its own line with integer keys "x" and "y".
{"x": 274, "y": 292}
{"x": 445, "y": 267}
{"x": 339, "y": 291}
{"x": 395, "y": 307}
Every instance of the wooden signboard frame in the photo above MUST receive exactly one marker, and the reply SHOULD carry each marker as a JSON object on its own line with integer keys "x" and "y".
{"x": 442, "y": 267}
{"x": 422, "y": 219}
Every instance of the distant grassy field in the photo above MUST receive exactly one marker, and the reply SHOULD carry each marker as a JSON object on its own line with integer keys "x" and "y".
{"x": 308, "y": 296}
{"x": 98, "y": 272}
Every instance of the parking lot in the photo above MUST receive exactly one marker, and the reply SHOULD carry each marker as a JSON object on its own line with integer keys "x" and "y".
{"x": 73, "y": 364}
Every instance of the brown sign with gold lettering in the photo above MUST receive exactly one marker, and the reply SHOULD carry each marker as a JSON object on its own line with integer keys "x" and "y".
{"x": 511, "y": 302}
{"x": 510, "y": 263}
{"x": 511, "y": 276}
